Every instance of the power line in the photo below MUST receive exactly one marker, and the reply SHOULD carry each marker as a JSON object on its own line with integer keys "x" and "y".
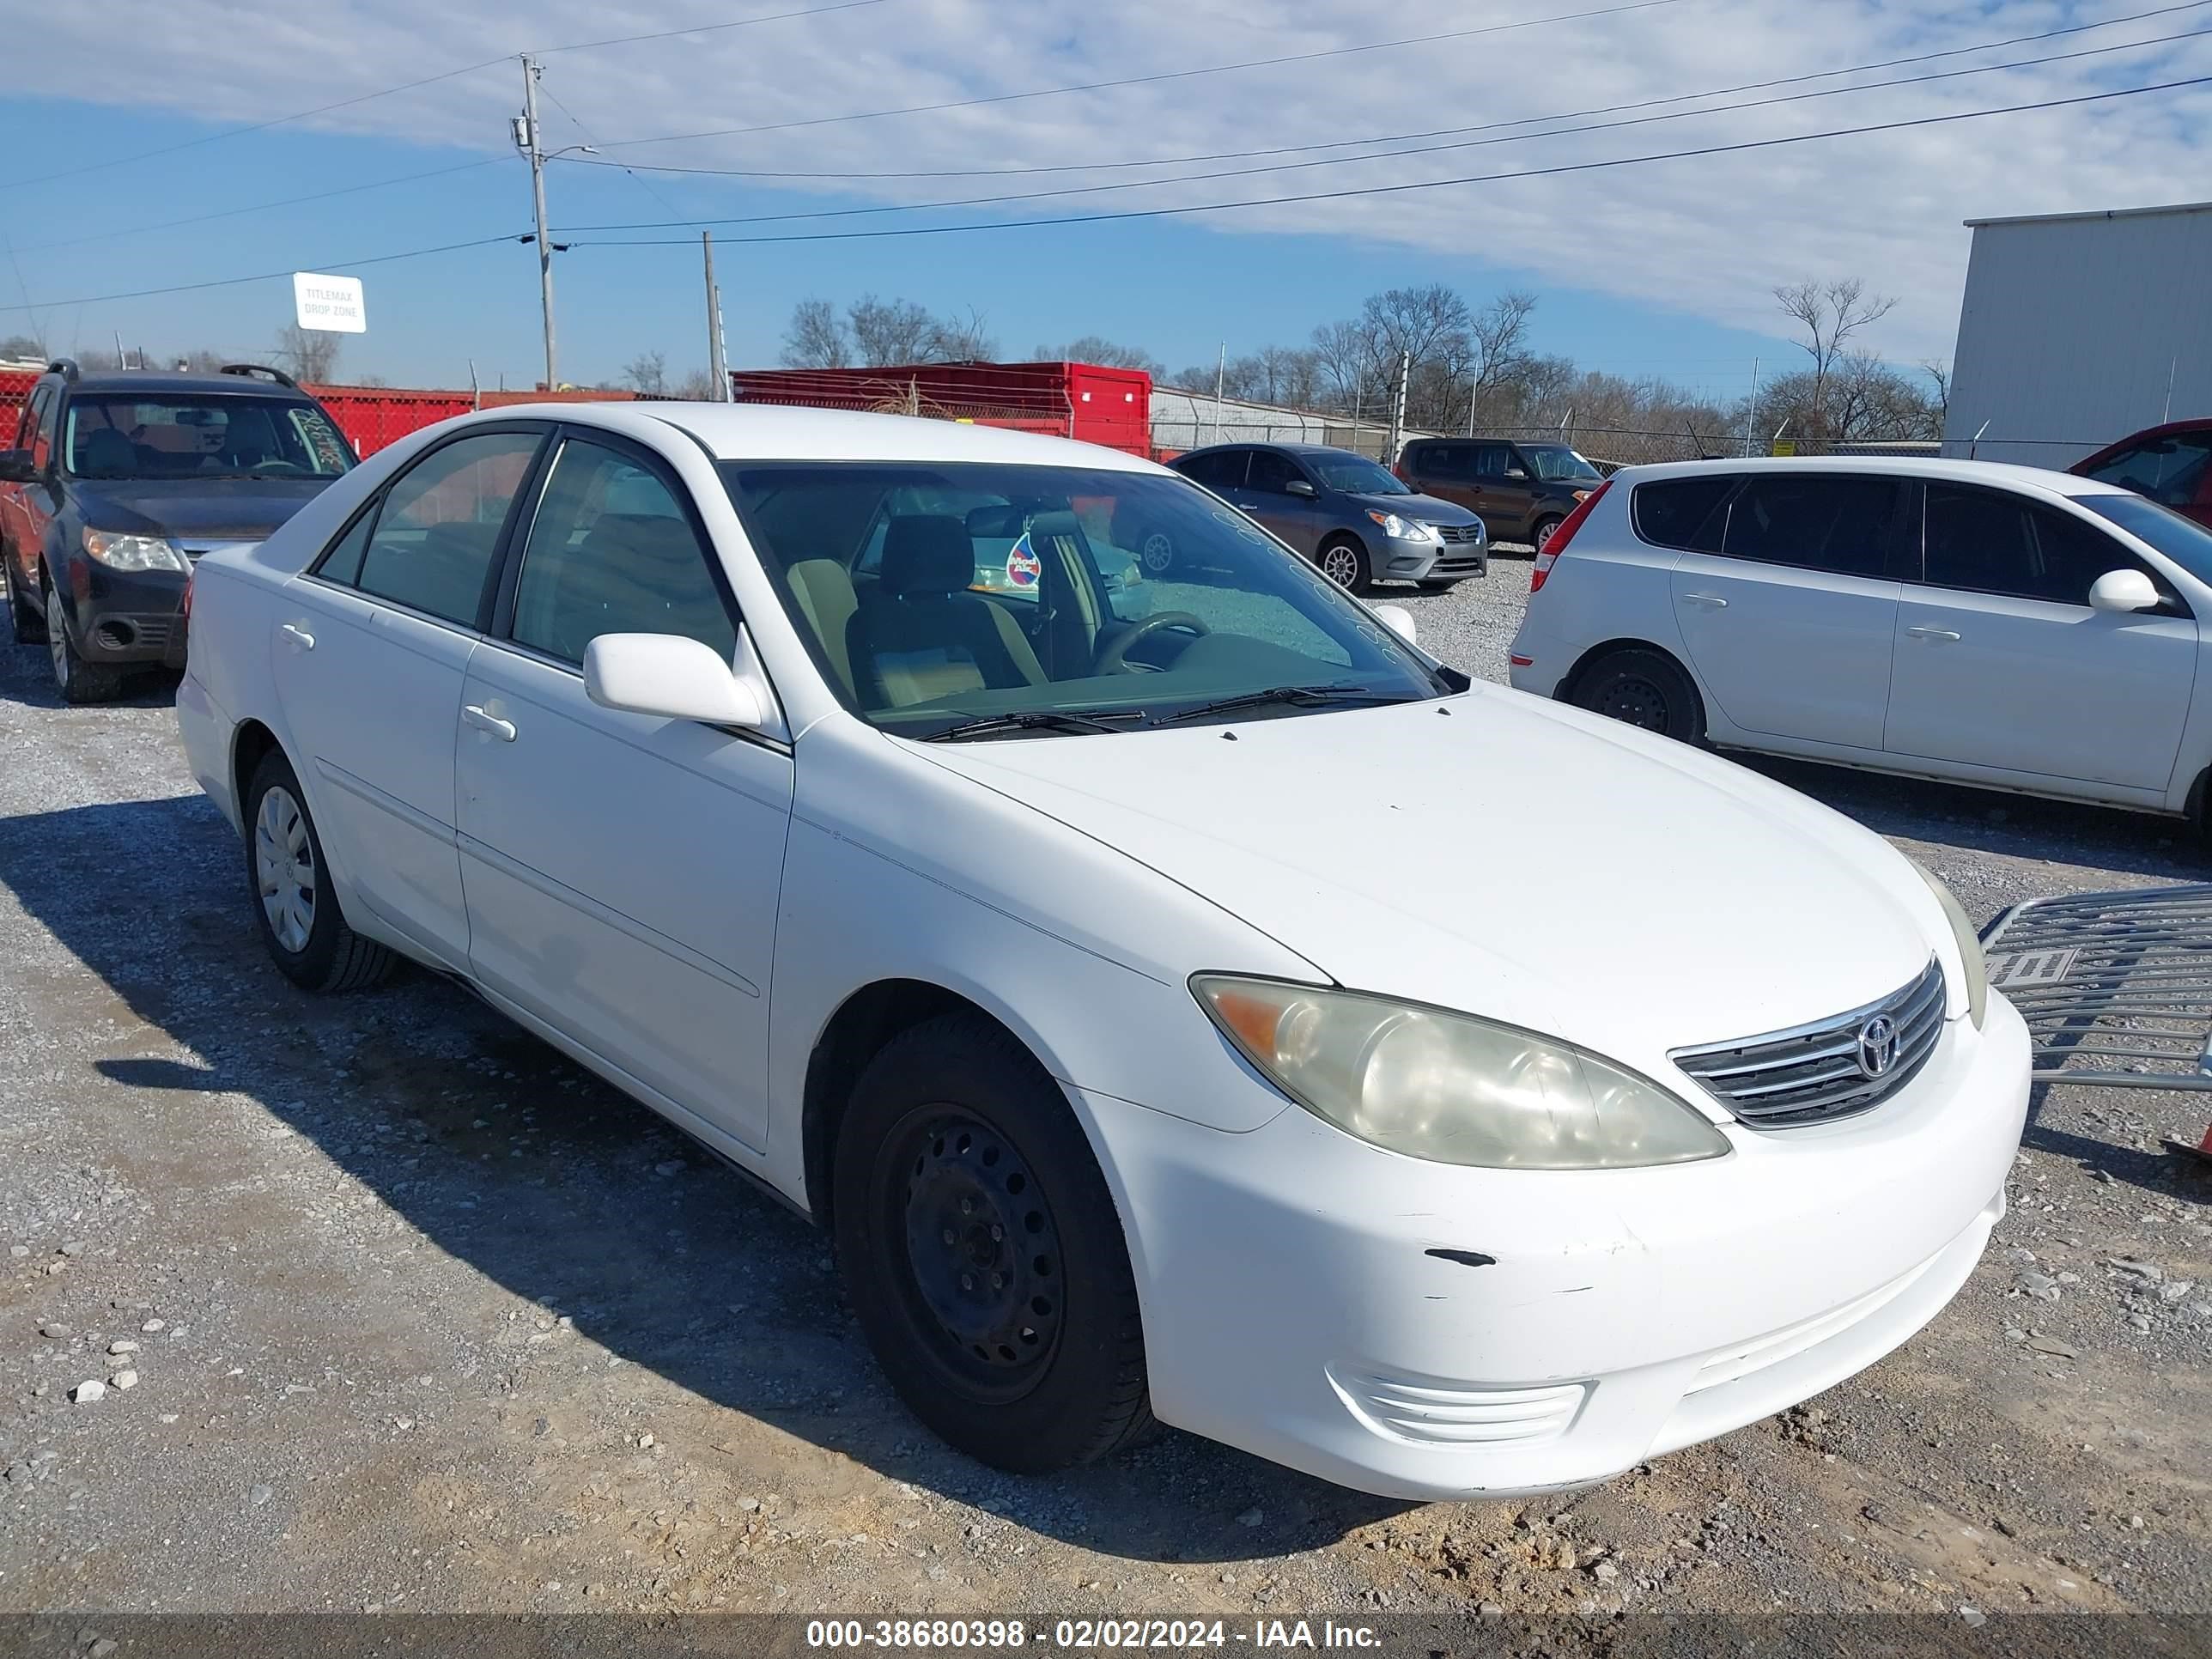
{"x": 410, "y": 86}
{"x": 590, "y": 137}
{"x": 1428, "y": 183}
{"x": 1382, "y": 156}
{"x": 1149, "y": 79}
{"x": 1403, "y": 137}
{"x": 265, "y": 276}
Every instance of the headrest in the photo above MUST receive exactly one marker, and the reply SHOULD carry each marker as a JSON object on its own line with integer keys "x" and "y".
{"x": 925, "y": 554}
{"x": 250, "y": 429}
{"x": 108, "y": 454}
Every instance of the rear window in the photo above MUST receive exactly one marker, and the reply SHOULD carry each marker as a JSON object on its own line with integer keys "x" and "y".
{"x": 1443, "y": 461}
{"x": 1815, "y": 522}
{"x": 1683, "y": 513}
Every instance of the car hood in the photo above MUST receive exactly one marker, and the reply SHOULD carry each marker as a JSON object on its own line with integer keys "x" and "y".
{"x": 224, "y": 509}
{"x": 1427, "y": 508}
{"x": 1506, "y": 856}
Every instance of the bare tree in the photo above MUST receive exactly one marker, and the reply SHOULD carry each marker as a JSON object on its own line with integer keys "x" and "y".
{"x": 1939, "y": 376}
{"x": 1091, "y": 348}
{"x": 815, "y": 338}
{"x": 647, "y": 373}
{"x": 1497, "y": 341}
{"x": 308, "y": 354}
{"x": 955, "y": 339}
{"x": 888, "y": 332}
{"x": 696, "y": 388}
{"x": 22, "y": 349}
{"x": 1830, "y": 314}
{"x": 1344, "y": 361}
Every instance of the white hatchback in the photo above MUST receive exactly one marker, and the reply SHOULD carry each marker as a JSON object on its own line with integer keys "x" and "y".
{"x": 1007, "y": 926}
{"x": 1997, "y": 625}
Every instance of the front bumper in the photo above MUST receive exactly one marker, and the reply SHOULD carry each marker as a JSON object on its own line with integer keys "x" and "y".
{"x": 1426, "y": 1331}
{"x": 1435, "y": 562}
{"x": 127, "y": 616}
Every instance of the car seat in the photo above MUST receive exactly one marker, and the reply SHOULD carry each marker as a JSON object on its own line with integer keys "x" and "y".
{"x": 921, "y": 635}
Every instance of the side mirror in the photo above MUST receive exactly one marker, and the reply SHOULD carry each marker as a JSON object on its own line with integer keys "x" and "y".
{"x": 2124, "y": 590}
{"x": 1300, "y": 487}
{"x": 1516, "y": 472}
{"x": 15, "y": 466}
{"x": 669, "y": 676}
{"x": 1398, "y": 620}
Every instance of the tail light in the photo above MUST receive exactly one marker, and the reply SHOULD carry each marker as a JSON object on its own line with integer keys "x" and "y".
{"x": 1562, "y": 536}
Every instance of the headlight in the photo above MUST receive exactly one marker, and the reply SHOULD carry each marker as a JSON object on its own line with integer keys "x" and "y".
{"x": 1402, "y": 529}
{"x": 1449, "y": 1087}
{"x": 134, "y": 552}
{"x": 1970, "y": 944}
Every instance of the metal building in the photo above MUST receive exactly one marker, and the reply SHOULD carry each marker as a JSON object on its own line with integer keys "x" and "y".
{"x": 2080, "y": 328}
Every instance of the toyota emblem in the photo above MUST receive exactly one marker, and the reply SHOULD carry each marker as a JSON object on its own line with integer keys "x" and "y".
{"x": 1878, "y": 1045}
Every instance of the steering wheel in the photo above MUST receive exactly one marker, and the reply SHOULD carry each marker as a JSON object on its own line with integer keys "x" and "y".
{"x": 279, "y": 469}
{"x": 1114, "y": 657}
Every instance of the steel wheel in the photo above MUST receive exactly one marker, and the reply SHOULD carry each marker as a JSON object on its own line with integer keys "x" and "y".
{"x": 1341, "y": 565}
{"x": 284, "y": 869}
{"x": 1543, "y": 533}
{"x": 57, "y": 643}
{"x": 1156, "y": 552}
{"x": 1638, "y": 702}
{"x": 982, "y": 1253}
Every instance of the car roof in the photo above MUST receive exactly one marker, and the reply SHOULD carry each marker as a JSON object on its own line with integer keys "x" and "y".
{"x": 149, "y": 380}
{"x": 2002, "y": 473}
{"x": 775, "y": 432}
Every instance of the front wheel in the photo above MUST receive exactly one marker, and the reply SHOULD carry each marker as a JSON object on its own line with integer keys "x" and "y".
{"x": 983, "y": 1254}
{"x": 301, "y": 925}
{"x": 1643, "y": 689}
{"x": 77, "y": 680}
{"x": 1343, "y": 561}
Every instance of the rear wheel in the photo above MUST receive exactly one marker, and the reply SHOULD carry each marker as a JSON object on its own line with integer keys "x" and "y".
{"x": 1541, "y": 531}
{"x": 77, "y": 680}
{"x": 1343, "y": 561}
{"x": 1647, "y": 690}
{"x": 299, "y": 915}
{"x": 983, "y": 1254}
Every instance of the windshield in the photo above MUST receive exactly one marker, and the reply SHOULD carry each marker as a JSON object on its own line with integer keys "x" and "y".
{"x": 1355, "y": 474}
{"x": 214, "y": 436}
{"x": 936, "y": 595}
{"x": 1557, "y": 461}
{"x": 2184, "y": 541}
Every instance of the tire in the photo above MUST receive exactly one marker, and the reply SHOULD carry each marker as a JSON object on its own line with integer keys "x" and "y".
{"x": 26, "y": 620}
{"x": 1343, "y": 561}
{"x": 1647, "y": 690}
{"x": 1156, "y": 551}
{"x": 78, "y": 680}
{"x": 1030, "y": 1358}
{"x": 1541, "y": 531}
{"x": 309, "y": 942}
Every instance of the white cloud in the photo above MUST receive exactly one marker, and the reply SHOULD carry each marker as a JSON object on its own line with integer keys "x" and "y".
{"x": 1709, "y": 237}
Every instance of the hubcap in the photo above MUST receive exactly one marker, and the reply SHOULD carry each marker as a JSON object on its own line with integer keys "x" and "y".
{"x": 1157, "y": 552}
{"x": 1638, "y": 702}
{"x": 1340, "y": 565}
{"x": 1544, "y": 534}
{"x": 57, "y": 642}
{"x": 982, "y": 1252}
{"x": 284, "y": 866}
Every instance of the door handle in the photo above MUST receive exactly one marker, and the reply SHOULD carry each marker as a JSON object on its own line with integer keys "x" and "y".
{"x": 1932, "y": 633}
{"x": 1712, "y": 600}
{"x": 300, "y": 639}
{"x": 474, "y": 714}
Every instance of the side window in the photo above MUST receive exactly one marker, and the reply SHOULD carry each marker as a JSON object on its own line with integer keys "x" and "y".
{"x": 1834, "y": 522}
{"x": 610, "y": 552}
{"x": 2174, "y": 470}
{"x": 27, "y": 424}
{"x": 434, "y": 537}
{"x": 1272, "y": 472}
{"x": 1989, "y": 543}
{"x": 41, "y": 440}
{"x": 1689, "y": 514}
{"x": 342, "y": 563}
{"x": 1491, "y": 460}
{"x": 1444, "y": 461}
{"x": 1223, "y": 470}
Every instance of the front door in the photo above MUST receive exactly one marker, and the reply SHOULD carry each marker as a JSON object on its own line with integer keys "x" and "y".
{"x": 368, "y": 654}
{"x": 26, "y": 509}
{"x": 2000, "y": 662}
{"x": 1789, "y": 626}
{"x": 1501, "y": 490}
{"x": 622, "y": 872}
{"x": 1267, "y": 497}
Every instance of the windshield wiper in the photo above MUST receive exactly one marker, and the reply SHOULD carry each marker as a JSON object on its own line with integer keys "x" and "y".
{"x": 1033, "y": 719}
{"x": 1297, "y": 696}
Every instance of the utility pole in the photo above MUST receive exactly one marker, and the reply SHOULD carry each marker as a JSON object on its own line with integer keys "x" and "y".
{"x": 1398, "y": 409}
{"x": 528, "y": 138}
{"x": 1473, "y": 390}
{"x": 1221, "y": 379}
{"x": 1750, "y": 421}
{"x": 717, "y": 364}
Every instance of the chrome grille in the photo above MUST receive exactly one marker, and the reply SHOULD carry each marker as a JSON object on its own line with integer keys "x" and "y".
{"x": 1817, "y": 1074}
{"x": 1451, "y": 534}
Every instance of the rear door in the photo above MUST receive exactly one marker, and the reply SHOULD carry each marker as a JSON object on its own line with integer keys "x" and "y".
{"x": 2002, "y": 663}
{"x": 1444, "y": 469}
{"x": 1790, "y": 625}
{"x": 369, "y": 651}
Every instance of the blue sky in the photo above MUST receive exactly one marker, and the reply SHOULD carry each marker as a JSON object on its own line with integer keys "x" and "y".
{"x": 1662, "y": 269}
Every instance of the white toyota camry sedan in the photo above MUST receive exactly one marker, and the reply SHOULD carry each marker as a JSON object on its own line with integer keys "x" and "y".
{"x": 1025, "y": 934}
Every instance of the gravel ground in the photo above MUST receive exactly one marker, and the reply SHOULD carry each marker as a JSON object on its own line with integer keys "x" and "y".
{"x": 425, "y": 1319}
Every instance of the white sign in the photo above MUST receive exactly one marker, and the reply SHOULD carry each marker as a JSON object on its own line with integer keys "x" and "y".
{"x": 329, "y": 302}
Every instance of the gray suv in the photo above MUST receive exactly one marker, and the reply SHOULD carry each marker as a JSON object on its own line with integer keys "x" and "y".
{"x": 1343, "y": 511}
